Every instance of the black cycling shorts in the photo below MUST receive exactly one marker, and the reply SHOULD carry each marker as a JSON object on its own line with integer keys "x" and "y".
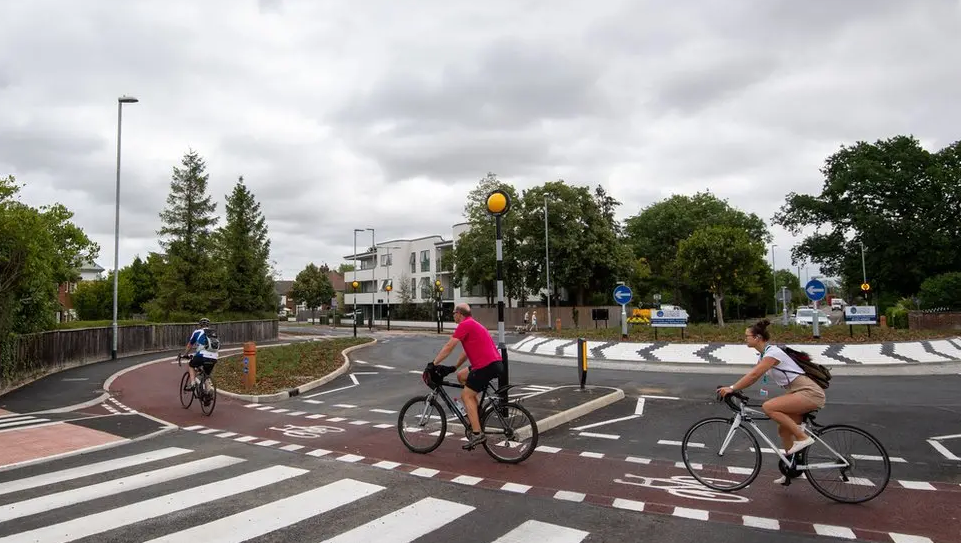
{"x": 477, "y": 380}
{"x": 199, "y": 361}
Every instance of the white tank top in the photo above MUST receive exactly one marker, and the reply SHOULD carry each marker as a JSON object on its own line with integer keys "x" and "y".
{"x": 784, "y": 362}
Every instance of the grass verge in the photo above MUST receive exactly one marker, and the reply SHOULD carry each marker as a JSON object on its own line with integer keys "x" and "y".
{"x": 711, "y": 333}
{"x": 285, "y": 367}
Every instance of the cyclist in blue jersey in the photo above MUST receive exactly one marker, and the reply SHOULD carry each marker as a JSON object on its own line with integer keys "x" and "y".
{"x": 205, "y": 347}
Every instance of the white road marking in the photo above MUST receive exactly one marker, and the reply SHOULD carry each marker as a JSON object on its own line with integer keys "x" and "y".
{"x": 601, "y": 436}
{"x": 605, "y": 422}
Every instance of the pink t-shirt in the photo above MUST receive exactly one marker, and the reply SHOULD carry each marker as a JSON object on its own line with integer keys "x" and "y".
{"x": 478, "y": 343}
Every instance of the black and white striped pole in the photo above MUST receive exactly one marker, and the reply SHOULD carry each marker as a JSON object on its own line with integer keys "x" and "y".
{"x": 498, "y": 203}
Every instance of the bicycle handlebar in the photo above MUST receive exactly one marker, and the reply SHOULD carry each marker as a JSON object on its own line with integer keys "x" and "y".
{"x": 729, "y": 399}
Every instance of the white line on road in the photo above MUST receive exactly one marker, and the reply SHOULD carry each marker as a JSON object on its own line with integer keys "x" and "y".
{"x": 602, "y": 436}
{"x": 649, "y": 397}
{"x": 603, "y": 422}
{"x": 947, "y": 437}
{"x": 943, "y": 450}
{"x": 383, "y": 367}
{"x": 354, "y": 379}
{"x": 639, "y": 409}
{"x": 333, "y": 390}
{"x": 387, "y": 411}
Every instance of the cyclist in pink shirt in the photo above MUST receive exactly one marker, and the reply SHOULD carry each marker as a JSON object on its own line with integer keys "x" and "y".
{"x": 485, "y": 364}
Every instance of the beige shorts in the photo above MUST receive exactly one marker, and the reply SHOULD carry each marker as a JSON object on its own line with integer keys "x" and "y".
{"x": 806, "y": 387}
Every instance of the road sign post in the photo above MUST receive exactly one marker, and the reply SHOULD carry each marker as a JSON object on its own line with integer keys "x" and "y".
{"x": 623, "y": 296}
{"x": 498, "y": 203}
{"x": 815, "y": 291}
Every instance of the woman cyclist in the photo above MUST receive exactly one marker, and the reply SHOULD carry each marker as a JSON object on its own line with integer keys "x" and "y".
{"x": 803, "y": 394}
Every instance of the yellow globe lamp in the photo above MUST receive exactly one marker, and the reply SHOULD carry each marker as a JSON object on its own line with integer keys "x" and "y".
{"x": 498, "y": 202}
{"x": 355, "y": 284}
{"x": 437, "y": 283}
{"x": 388, "y": 288}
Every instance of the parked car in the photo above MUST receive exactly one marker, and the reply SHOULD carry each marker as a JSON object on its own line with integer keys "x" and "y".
{"x": 805, "y": 317}
{"x": 837, "y": 303}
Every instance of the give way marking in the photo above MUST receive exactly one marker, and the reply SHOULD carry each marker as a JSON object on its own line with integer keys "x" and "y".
{"x": 638, "y": 412}
{"x": 938, "y": 446}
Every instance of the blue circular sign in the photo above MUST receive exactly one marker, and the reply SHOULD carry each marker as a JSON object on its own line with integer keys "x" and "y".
{"x": 623, "y": 294}
{"x": 815, "y": 290}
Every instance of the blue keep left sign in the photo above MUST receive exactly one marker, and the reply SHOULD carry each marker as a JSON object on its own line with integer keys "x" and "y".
{"x": 623, "y": 294}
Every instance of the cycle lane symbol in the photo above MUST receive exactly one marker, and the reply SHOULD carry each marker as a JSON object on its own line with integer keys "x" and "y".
{"x": 685, "y": 486}
{"x": 308, "y": 432}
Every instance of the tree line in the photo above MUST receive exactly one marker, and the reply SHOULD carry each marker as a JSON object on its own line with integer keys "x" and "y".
{"x": 704, "y": 254}
{"x": 222, "y": 272}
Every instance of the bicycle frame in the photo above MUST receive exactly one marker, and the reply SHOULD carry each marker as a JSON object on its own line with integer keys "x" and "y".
{"x": 482, "y": 403}
{"x": 746, "y": 415}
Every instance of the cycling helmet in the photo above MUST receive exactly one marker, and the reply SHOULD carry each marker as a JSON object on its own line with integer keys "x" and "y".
{"x": 204, "y": 322}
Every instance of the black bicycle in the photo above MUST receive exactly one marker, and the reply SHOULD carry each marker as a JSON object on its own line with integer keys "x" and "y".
{"x": 830, "y": 464}
{"x": 205, "y": 391}
{"x": 430, "y": 420}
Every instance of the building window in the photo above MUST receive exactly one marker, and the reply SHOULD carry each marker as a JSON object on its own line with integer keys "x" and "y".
{"x": 413, "y": 285}
{"x": 385, "y": 260}
{"x": 425, "y": 261}
{"x": 413, "y": 265}
{"x": 426, "y": 288}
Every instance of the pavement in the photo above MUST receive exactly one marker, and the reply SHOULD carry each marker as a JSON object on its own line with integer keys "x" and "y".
{"x": 617, "y": 461}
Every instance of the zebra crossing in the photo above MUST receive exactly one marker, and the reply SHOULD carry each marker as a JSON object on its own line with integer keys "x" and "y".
{"x": 16, "y": 421}
{"x": 179, "y": 494}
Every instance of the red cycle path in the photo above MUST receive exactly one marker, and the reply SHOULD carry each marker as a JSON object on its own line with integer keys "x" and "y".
{"x": 935, "y": 514}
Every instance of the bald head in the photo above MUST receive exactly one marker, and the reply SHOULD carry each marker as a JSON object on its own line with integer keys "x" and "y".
{"x": 463, "y": 309}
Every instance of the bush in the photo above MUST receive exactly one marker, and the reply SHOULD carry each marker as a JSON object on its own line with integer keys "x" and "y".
{"x": 941, "y": 291}
{"x": 897, "y": 316}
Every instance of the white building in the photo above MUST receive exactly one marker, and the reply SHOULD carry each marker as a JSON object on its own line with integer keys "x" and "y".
{"x": 418, "y": 263}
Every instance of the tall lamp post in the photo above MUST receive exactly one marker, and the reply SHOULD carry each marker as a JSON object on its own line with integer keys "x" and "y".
{"x": 354, "y": 283}
{"x": 774, "y": 273}
{"x": 498, "y": 204}
{"x": 373, "y": 276}
{"x": 547, "y": 263}
{"x": 390, "y": 282}
{"x": 438, "y": 300}
{"x": 116, "y": 228}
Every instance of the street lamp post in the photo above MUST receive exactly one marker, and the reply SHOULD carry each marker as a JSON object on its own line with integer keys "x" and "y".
{"x": 373, "y": 272}
{"x": 390, "y": 282}
{"x": 498, "y": 204}
{"x": 354, "y": 283}
{"x": 116, "y": 228}
{"x": 774, "y": 272}
{"x": 547, "y": 263}
{"x": 438, "y": 292}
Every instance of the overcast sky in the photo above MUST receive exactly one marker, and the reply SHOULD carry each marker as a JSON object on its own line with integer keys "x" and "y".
{"x": 315, "y": 102}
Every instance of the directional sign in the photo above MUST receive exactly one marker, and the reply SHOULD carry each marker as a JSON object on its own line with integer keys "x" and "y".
{"x": 623, "y": 294}
{"x": 865, "y": 287}
{"x": 815, "y": 290}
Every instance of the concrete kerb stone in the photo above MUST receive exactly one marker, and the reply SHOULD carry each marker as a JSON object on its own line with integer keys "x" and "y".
{"x": 283, "y": 395}
{"x": 557, "y": 419}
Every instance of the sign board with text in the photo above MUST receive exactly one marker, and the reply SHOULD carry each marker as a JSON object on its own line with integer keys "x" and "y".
{"x": 669, "y": 318}
{"x": 860, "y": 314}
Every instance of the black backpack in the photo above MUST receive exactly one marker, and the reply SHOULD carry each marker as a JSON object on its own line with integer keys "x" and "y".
{"x": 213, "y": 342}
{"x": 818, "y": 373}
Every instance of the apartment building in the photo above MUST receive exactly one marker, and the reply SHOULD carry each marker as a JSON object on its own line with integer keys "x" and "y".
{"x": 412, "y": 267}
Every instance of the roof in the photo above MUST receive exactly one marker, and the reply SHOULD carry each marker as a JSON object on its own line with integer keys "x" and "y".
{"x": 282, "y": 288}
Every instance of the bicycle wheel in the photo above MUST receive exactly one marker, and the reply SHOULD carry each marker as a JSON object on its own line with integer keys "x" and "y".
{"x": 513, "y": 430}
{"x": 428, "y": 421}
{"x": 186, "y": 396}
{"x": 861, "y": 450}
{"x": 700, "y": 450}
{"x": 209, "y": 398}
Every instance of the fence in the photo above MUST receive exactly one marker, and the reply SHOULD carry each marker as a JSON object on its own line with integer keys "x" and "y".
{"x": 28, "y": 356}
{"x": 927, "y": 320}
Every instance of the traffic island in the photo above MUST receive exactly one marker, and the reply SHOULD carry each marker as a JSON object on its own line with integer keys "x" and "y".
{"x": 282, "y": 372}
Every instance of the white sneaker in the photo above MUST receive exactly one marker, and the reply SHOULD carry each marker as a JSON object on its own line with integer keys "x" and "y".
{"x": 798, "y": 445}
{"x": 780, "y": 480}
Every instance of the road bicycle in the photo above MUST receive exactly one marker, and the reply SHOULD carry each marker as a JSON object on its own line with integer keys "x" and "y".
{"x": 426, "y": 409}
{"x": 828, "y": 470}
{"x": 205, "y": 391}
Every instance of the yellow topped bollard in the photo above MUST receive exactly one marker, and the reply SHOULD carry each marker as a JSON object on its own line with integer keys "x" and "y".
{"x": 250, "y": 365}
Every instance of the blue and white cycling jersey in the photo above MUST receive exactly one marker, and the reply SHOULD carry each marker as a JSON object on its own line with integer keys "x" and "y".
{"x": 199, "y": 341}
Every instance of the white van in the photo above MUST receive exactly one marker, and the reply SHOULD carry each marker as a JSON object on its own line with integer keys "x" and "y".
{"x": 837, "y": 303}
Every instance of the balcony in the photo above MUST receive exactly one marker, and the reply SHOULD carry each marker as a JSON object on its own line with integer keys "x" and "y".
{"x": 362, "y": 275}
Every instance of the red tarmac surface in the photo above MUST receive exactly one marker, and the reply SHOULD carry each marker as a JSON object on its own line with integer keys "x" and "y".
{"x": 935, "y": 514}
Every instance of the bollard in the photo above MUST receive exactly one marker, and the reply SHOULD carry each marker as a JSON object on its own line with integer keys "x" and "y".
{"x": 250, "y": 364}
{"x": 582, "y": 361}
{"x": 557, "y": 324}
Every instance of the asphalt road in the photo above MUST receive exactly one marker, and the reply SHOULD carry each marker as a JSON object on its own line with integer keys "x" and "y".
{"x": 197, "y": 488}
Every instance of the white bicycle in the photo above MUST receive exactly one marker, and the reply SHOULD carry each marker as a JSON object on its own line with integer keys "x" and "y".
{"x": 736, "y": 452}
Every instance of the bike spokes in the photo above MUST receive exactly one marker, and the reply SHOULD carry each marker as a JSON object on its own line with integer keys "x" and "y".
{"x": 511, "y": 438}
{"x": 858, "y": 475}
{"x": 421, "y": 424}
{"x": 732, "y": 469}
